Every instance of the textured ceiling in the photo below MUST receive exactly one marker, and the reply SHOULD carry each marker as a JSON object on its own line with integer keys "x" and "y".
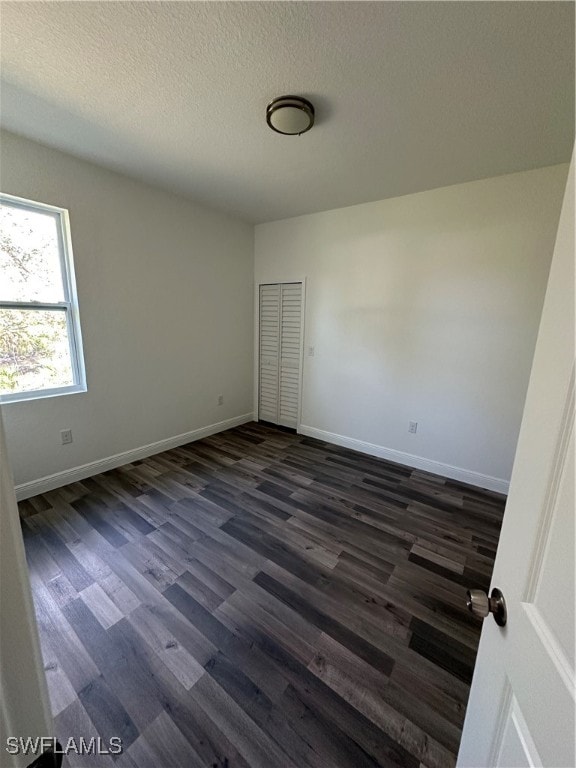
{"x": 409, "y": 95}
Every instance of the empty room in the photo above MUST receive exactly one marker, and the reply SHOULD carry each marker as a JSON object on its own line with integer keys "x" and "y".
{"x": 287, "y": 384}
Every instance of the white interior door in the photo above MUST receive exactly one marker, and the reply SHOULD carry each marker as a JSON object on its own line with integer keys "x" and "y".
{"x": 280, "y": 350}
{"x": 24, "y": 703}
{"x": 521, "y": 709}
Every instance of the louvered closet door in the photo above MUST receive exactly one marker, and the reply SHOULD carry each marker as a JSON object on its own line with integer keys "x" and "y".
{"x": 280, "y": 324}
{"x": 290, "y": 317}
{"x": 269, "y": 352}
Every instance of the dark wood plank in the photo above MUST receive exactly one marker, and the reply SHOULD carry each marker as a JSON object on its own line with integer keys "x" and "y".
{"x": 259, "y": 598}
{"x": 107, "y": 713}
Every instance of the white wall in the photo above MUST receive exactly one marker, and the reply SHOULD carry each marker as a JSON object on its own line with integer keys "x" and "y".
{"x": 423, "y": 308}
{"x": 24, "y": 702}
{"x": 165, "y": 290}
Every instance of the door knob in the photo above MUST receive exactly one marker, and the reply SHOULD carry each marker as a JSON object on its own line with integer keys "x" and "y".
{"x": 481, "y": 605}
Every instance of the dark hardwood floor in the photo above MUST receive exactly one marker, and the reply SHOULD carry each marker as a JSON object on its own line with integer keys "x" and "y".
{"x": 261, "y": 599}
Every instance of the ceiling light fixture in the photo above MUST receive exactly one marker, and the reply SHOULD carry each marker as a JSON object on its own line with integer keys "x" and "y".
{"x": 290, "y": 115}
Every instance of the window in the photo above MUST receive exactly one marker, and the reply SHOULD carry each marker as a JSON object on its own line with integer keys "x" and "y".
{"x": 40, "y": 343}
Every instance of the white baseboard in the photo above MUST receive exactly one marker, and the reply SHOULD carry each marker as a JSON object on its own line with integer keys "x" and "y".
{"x": 57, "y": 480}
{"x": 408, "y": 459}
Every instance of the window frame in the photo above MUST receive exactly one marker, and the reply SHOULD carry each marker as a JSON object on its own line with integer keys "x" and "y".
{"x": 69, "y": 305}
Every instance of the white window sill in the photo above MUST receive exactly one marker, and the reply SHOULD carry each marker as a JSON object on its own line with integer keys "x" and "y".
{"x": 40, "y": 394}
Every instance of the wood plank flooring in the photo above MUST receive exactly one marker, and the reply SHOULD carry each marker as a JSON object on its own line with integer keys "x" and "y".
{"x": 261, "y": 599}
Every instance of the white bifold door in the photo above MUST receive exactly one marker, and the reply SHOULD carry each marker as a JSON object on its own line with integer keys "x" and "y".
{"x": 280, "y": 329}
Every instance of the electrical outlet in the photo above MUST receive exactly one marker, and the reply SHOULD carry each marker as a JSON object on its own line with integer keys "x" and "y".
{"x": 220, "y": 399}
{"x": 413, "y": 427}
{"x": 311, "y": 351}
{"x": 66, "y": 436}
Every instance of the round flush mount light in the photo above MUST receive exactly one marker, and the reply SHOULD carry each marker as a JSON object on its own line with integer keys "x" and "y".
{"x": 290, "y": 115}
